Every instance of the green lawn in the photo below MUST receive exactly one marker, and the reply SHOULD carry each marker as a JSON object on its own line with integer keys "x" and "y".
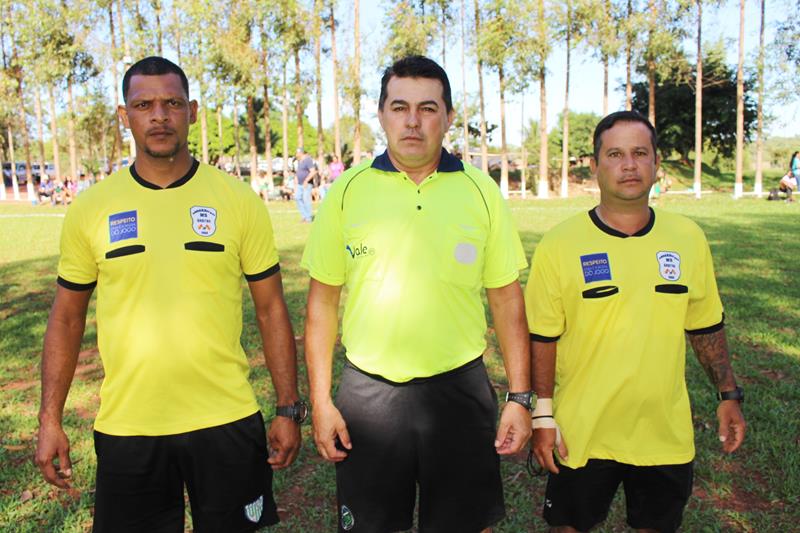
{"x": 755, "y": 245}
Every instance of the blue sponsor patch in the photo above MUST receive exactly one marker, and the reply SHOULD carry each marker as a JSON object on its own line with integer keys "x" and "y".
{"x": 595, "y": 267}
{"x": 123, "y": 226}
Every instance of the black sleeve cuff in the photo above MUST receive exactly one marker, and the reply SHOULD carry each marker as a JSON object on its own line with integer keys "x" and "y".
{"x": 76, "y": 286}
{"x": 274, "y": 269}
{"x": 542, "y": 338}
{"x": 710, "y": 329}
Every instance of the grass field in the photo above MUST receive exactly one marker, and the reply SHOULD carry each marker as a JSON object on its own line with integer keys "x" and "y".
{"x": 755, "y": 243}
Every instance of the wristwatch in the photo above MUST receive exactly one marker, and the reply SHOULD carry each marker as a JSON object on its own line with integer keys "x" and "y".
{"x": 735, "y": 394}
{"x": 522, "y": 398}
{"x": 298, "y": 411}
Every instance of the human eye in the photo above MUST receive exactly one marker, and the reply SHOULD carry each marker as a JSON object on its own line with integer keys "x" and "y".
{"x": 142, "y": 104}
{"x": 614, "y": 154}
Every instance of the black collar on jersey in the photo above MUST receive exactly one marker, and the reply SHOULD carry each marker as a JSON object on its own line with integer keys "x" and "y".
{"x": 602, "y": 226}
{"x": 447, "y": 163}
{"x": 144, "y": 183}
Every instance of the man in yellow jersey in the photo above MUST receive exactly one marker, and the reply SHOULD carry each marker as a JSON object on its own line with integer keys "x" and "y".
{"x": 610, "y": 295}
{"x": 166, "y": 242}
{"x": 415, "y": 235}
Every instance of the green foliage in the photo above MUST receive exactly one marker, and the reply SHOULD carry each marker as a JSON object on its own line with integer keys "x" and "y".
{"x": 409, "y": 31}
{"x": 581, "y": 131}
{"x": 675, "y": 95}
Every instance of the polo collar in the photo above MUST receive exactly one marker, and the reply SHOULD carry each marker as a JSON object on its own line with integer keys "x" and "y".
{"x": 602, "y": 226}
{"x": 447, "y": 163}
{"x": 144, "y": 183}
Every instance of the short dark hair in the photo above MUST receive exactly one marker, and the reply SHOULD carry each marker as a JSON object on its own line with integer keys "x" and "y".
{"x": 622, "y": 116}
{"x": 153, "y": 66}
{"x": 416, "y": 67}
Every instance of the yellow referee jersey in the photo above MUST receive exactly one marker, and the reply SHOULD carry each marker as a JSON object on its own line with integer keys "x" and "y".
{"x": 618, "y": 307}
{"x": 415, "y": 259}
{"x": 168, "y": 265}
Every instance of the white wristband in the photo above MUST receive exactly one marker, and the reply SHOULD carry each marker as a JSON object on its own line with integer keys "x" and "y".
{"x": 544, "y": 407}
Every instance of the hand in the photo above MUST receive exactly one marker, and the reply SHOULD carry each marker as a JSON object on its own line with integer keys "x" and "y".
{"x": 731, "y": 425}
{"x": 328, "y": 427}
{"x": 545, "y": 440}
{"x": 283, "y": 439}
{"x": 514, "y": 429}
{"x": 53, "y": 443}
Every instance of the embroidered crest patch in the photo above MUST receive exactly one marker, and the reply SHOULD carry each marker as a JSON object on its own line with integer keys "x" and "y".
{"x": 596, "y": 267}
{"x": 204, "y": 220}
{"x": 669, "y": 265}
{"x": 123, "y": 226}
{"x": 253, "y": 510}
{"x": 347, "y": 518}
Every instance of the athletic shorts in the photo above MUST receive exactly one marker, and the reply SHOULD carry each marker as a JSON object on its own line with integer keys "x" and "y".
{"x": 140, "y": 480}
{"x": 434, "y": 433}
{"x": 654, "y": 495}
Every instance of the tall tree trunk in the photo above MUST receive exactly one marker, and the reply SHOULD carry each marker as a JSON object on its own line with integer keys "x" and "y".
{"x": 26, "y": 144}
{"x": 251, "y": 138}
{"x": 267, "y": 125}
{"x": 503, "y": 145}
{"x": 357, "y": 80}
{"x": 318, "y": 81}
{"x": 565, "y": 120}
{"x": 126, "y": 60}
{"x": 628, "y": 61}
{"x": 73, "y": 148}
{"x": 759, "y": 133}
{"x": 219, "y": 135}
{"x": 54, "y": 132}
{"x": 337, "y": 137}
{"x": 298, "y": 98}
{"x": 178, "y": 31}
{"x": 738, "y": 188}
{"x": 285, "y": 123}
{"x": 464, "y": 118}
{"x": 40, "y": 130}
{"x": 3, "y": 193}
{"x": 238, "y": 145}
{"x": 698, "y": 107}
{"x": 605, "y": 84}
{"x": 14, "y": 178}
{"x": 484, "y": 144}
{"x": 543, "y": 190}
{"x": 203, "y": 121}
{"x": 159, "y": 39}
{"x": 117, "y": 125}
{"x": 443, "y": 30}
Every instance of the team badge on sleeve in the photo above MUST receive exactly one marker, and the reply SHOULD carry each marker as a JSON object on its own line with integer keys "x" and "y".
{"x": 596, "y": 267}
{"x": 669, "y": 265}
{"x": 123, "y": 226}
{"x": 204, "y": 220}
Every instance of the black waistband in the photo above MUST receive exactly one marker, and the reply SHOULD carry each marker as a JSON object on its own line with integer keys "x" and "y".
{"x": 444, "y": 375}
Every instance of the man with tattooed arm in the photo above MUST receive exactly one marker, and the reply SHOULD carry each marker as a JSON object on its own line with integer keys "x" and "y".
{"x": 610, "y": 295}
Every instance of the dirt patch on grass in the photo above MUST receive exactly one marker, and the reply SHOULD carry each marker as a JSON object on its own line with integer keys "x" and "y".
{"x": 293, "y": 500}
{"x": 739, "y": 499}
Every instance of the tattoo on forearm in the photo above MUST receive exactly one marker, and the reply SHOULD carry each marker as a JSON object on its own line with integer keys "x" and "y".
{"x": 712, "y": 352}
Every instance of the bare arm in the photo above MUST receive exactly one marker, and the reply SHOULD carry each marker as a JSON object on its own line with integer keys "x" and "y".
{"x": 711, "y": 350}
{"x": 545, "y": 439}
{"x": 322, "y": 325}
{"x": 62, "y": 342}
{"x": 280, "y": 356}
{"x": 508, "y": 311}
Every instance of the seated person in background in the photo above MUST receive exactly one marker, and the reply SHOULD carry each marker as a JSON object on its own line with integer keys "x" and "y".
{"x": 46, "y": 189}
{"x": 787, "y": 185}
{"x": 287, "y": 188}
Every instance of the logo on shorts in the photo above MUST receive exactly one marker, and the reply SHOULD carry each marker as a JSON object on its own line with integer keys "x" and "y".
{"x": 348, "y": 520}
{"x": 253, "y": 510}
{"x": 596, "y": 267}
{"x": 123, "y": 226}
{"x": 204, "y": 220}
{"x": 548, "y": 503}
{"x": 669, "y": 265}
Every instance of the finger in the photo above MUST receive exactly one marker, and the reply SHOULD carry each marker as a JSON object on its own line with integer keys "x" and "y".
{"x": 562, "y": 447}
{"x": 550, "y": 463}
{"x": 502, "y": 434}
{"x": 278, "y": 459}
{"x": 344, "y": 437}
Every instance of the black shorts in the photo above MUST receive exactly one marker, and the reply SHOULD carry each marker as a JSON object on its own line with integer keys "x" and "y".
{"x": 140, "y": 480}
{"x": 437, "y": 433}
{"x": 654, "y": 495}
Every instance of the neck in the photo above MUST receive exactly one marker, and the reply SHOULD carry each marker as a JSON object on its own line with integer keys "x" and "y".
{"x": 163, "y": 171}
{"x": 416, "y": 173}
{"x": 627, "y": 219}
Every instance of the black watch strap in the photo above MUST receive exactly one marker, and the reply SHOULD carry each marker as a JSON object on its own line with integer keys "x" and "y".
{"x": 735, "y": 394}
{"x": 523, "y": 398}
{"x": 298, "y": 411}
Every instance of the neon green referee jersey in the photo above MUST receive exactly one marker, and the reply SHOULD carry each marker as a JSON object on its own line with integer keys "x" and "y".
{"x": 168, "y": 265}
{"x": 415, "y": 259}
{"x": 618, "y": 307}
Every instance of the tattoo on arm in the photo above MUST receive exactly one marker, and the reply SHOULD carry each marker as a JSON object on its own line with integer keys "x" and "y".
{"x": 712, "y": 352}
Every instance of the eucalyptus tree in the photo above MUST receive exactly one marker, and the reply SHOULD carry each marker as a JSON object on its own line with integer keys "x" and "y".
{"x": 605, "y": 36}
{"x": 409, "y": 31}
{"x": 539, "y": 53}
{"x": 484, "y": 143}
{"x": 337, "y": 135}
{"x": 737, "y": 186}
{"x": 464, "y": 116}
{"x": 759, "y": 131}
{"x": 355, "y": 82}
{"x": 316, "y": 33}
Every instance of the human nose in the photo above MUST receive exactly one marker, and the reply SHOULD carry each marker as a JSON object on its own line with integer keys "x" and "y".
{"x": 160, "y": 112}
{"x": 628, "y": 161}
{"x": 412, "y": 119}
